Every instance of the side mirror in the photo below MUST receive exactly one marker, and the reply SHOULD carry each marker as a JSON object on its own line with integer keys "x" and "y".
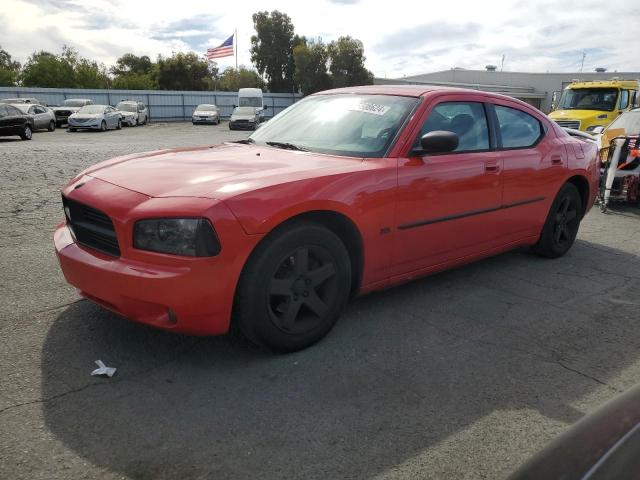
{"x": 598, "y": 130}
{"x": 438, "y": 141}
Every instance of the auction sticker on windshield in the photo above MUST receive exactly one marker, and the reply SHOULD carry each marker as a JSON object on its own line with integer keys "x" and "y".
{"x": 368, "y": 107}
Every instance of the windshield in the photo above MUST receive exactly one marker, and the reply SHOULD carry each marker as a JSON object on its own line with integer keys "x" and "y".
{"x": 250, "y": 102}
{"x": 589, "y": 99}
{"x": 92, "y": 109}
{"x": 23, "y": 107}
{"x": 74, "y": 103}
{"x": 206, "y": 108}
{"x": 343, "y": 124}
{"x": 127, "y": 107}
{"x": 630, "y": 121}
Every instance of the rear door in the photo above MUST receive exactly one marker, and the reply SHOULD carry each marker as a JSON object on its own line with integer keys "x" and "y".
{"x": 5, "y": 121}
{"x": 534, "y": 161}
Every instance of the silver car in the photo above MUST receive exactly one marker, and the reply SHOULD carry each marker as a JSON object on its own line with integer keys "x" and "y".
{"x": 95, "y": 117}
{"x": 206, "y": 113}
{"x": 69, "y": 107}
{"x": 132, "y": 112}
{"x": 43, "y": 117}
{"x": 244, "y": 118}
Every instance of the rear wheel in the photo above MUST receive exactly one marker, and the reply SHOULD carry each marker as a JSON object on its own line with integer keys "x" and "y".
{"x": 52, "y": 126}
{"x": 27, "y": 132}
{"x": 562, "y": 224}
{"x": 293, "y": 288}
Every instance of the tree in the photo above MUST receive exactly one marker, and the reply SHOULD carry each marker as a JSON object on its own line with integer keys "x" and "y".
{"x": 310, "y": 60}
{"x": 9, "y": 69}
{"x": 44, "y": 69}
{"x": 183, "y": 71}
{"x": 90, "y": 74}
{"x": 130, "y": 63}
{"x": 272, "y": 49}
{"x": 134, "y": 81}
{"x": 232, "y": 80}
{"x": 346, "y": 56}
{"x": 132, "y": 72}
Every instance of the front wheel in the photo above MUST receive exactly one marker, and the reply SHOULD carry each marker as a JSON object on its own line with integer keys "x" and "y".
{"x": 103, "y": 126}
{"x": 27, "y": 133}
{"x": 293, "y": 288}
{"x": 52, "y": 126}
{"x": 119, "y": 126}
{"x": 561, "y": 227}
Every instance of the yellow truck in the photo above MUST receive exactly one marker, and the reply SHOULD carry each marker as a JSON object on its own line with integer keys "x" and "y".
{"x": 588, "y": 105}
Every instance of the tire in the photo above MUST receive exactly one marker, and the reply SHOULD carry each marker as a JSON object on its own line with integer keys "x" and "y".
{"x": 52, "y": 126}
{"x": 293, "y": 288}
{"x": 27, "y": 132}
{"x": 119, "y": 126}
{"x": 103, "y": 126}
{"x": 562, "y": 223}
{"x": 72, "y": 129}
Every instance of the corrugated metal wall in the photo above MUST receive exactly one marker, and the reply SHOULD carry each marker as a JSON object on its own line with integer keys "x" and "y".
{"x": 164, "y": 105}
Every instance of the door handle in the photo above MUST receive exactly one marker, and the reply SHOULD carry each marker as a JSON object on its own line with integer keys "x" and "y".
{"x": 492, "y": 167}
{"x": 556, "y": 160}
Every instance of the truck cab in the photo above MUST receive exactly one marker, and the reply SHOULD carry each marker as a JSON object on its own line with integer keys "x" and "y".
{"x": 586, "y": 105}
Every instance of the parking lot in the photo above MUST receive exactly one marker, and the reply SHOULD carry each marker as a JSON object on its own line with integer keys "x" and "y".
{"x": 460, "y": 375}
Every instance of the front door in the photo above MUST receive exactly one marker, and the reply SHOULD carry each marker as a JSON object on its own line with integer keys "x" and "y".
{"x": 449, "y": 205}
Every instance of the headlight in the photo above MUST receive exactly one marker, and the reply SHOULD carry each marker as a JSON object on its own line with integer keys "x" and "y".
{"x": 193, "y": 237}
{"x": 592, "y": 128}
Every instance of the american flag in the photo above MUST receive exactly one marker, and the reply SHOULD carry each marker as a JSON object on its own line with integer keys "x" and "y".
{"x": 224, "y": 50}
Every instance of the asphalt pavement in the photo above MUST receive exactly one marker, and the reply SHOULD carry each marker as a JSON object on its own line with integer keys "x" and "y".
{"x": 464, "y": 374}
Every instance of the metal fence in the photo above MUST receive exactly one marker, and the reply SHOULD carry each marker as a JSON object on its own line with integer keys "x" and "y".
{"x": 164, "y": 105}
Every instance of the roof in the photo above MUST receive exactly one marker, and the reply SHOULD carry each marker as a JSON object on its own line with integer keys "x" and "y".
{"x": 403, "y": 90}
{"x": 604, "y": 84}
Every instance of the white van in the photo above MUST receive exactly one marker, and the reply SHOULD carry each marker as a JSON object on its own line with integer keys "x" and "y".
{"x": 252, "y": 97}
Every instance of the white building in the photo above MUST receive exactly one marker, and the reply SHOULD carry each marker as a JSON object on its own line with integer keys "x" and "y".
{"x": 536, "y": 89}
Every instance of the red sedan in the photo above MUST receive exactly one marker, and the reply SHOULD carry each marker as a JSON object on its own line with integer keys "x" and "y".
{"x": 347, "y": 191}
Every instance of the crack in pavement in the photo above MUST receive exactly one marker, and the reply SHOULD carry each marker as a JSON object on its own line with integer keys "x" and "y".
{"x": 116, "y": 381}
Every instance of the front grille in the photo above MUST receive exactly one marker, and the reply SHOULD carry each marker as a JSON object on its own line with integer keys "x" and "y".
{"x": 91, "y": 227}
{"x": 241, "y": 121}
{"x": 81, "y": 120}
{"x": 64, "y": 113}
{"x": 575, "y": 124}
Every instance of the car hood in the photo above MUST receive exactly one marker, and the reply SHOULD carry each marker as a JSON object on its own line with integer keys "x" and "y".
{"x": 582, "y": 115}
{"x": 127, "y": 114}
{"x": 71, "y": 109}
{"x": 86, "y": 115}
{"x": 216, "y": 172}
{"x": 205, "y": 113}
{"x": 247, "y": 116}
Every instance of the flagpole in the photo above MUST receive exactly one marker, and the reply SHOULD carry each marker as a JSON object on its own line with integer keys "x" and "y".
{"x": 236, "y": 45}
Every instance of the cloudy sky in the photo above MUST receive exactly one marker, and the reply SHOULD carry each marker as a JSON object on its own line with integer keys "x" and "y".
{"x": 401, "y": 37}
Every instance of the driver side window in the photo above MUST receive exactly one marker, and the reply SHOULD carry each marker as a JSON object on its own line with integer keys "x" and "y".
{"x": 466, "y": 119}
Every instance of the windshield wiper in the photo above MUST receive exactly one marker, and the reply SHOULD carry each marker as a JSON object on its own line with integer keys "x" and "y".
{"x": 247, "y": 141}
{"x": 287, "y": 146}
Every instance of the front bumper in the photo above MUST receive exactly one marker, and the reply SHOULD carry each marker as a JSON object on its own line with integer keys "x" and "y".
{"x": 242, "y": 125}
{"x": 129, "y": 121}
{"x": 90, "y": 125}
{"x": 181, "y": 294}
{"x": 205, "y": 120}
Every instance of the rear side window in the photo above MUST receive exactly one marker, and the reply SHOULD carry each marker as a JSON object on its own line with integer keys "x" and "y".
{"x": 518, "y": 129}
{"x": 466, "y": 119}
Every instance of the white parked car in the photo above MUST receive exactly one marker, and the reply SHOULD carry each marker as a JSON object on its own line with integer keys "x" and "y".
{"x": 132, "y": 112}
{"x": 95, "y": 117}
{"x": 206, "y": 113}
{"x": 43, "y": 117}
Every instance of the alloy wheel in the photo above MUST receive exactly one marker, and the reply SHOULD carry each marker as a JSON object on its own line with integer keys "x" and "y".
{"x": 565, "y": 222}
{"x": 303, "y": 289}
